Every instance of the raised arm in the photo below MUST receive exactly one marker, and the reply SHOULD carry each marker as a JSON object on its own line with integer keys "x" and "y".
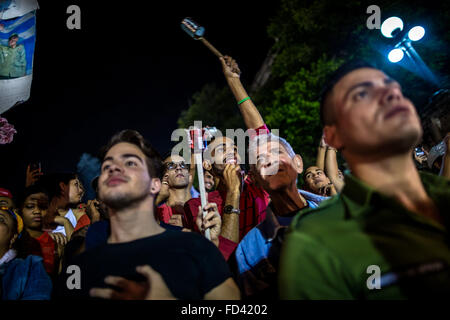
{"x": 332, "y": 169}
{"x": 250, "y": 113}
{"x": 192, "y": 171}
{"x": 445, "y": 167}
{"x": 320, "y": 161}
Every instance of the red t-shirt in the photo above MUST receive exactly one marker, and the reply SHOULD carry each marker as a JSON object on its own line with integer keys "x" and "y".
{"x": 252, "y": 203}
{"x": 82, "y": 222}
{"x": 164, "y": 212}
{"x": 47, "y": 252}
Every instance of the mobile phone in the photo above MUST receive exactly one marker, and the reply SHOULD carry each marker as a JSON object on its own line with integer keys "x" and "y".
{"x": 35, "y": 166}
{"x": 419, "y": 152}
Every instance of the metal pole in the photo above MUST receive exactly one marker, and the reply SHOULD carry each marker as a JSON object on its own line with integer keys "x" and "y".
{"x": 417, "y": 60}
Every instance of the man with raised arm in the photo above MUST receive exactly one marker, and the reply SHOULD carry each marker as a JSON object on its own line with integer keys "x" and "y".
{"x": 241, "y": 203}
{"x": 274, "y": 167}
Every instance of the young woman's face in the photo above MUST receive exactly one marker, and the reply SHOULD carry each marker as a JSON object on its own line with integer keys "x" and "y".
{"x": 76, "y": 191}
{"x": 34, "y": 209}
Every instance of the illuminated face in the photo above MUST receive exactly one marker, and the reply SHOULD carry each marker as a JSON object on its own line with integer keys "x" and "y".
{"x": 209, "y": 181}
{"x": 34, "y": 209}
{"x": 124, "y": 179}
{"x": 372, "y": 115}
{"x": 76, "y": 191}
{"x": 177, "y": 172}
{"x": 223, "y": 151}
{"x": 315, "y": 179}
{"x": 275, "y": 169}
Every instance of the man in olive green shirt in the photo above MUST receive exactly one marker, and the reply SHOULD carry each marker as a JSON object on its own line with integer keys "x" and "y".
{"x": 386, "y": 235}
{"x": 13, "y": 61}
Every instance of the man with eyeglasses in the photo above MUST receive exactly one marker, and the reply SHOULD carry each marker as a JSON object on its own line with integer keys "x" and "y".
{"x": 178, "y": 179}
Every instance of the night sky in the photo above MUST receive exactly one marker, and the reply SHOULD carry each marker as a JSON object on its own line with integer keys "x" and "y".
{"x": 129, "y": 66}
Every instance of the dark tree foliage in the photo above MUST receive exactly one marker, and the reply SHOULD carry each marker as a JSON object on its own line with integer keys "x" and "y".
{"x": 311, "y": 39}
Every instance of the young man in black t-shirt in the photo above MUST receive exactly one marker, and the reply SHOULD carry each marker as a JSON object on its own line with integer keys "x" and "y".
{"x": 142, "y": 260}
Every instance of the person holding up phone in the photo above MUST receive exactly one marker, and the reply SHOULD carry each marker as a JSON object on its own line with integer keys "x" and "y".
{"x": 34, "y": 172}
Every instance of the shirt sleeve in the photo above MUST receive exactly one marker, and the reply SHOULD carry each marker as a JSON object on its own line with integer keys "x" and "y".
{"x": 308, "y": 270}
{"x": 190, "y": 214}
{"x": 261, "y": 130}
{"x": 82, "y": 222}
{"x": 226, "y": 247}
{"x": 163, "y": 213}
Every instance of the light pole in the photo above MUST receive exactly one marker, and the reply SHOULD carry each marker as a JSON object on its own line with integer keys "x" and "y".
{"x": 402, "y": 39}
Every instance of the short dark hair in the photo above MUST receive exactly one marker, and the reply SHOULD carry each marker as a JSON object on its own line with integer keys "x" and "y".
{"x": 14, "y": 35}
{"x": 50, "y": 182}
{"x": 28, "y": 191}
{"x": 152, "y": 157}
{"x": 326, "y": 116}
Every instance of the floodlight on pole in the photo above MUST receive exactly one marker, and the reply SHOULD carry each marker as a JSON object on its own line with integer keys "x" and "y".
{"x": 391, "y": 27}
{"x": 395, "y": 55}
{"x": 416, "y": 33}
{"x": 401, "y": 40}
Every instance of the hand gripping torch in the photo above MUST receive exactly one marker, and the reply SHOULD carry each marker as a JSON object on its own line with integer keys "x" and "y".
{"x": 198, "y": 144}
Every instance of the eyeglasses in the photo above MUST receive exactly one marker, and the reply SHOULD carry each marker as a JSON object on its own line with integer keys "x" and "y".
{"x": 175, "y": 165}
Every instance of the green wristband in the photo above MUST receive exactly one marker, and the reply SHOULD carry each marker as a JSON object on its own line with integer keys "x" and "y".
{"x": 243, "y": 100}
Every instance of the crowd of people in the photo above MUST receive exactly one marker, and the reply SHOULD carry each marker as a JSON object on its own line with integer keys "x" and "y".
{"x": 143, "y": 236}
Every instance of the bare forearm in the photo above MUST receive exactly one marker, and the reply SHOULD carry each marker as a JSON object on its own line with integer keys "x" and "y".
{"x": 331, "y": 169}
{"x": 192, "y": 170}
{"x": 320, "y": 161}
{"x": 250, "y": 113}
{"x": 445, "y": 170}
{"x": 230, "y": 222}
{"x": 69, "y": 229}
{"x": 161, "y": 198}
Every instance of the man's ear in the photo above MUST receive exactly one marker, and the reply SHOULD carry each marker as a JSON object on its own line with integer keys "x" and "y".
{"x": 207, "y": 165}
{"x": 155, "y": 186}
{"x": 298, "y": 163}
{"x": 190, "y": 178}
{"x": 332, "y": 137}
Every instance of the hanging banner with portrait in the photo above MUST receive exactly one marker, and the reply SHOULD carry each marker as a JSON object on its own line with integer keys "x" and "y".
{"x": 17, "y": 41}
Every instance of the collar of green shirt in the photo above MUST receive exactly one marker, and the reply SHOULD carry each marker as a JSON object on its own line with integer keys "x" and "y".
{"x": 358, "y": 195}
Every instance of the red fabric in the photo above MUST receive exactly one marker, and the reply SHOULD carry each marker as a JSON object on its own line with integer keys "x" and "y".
{"x": 191, "y": 208}
{"x": 82, "y": 222}
{"x": 226, "y": 247}
{"x": 47, "y": 252}
{"x": 261, "y": 130}
{"x": 253, "y": 203}
{"x": 5, "y": 193}
{"x": 164, "y": 212}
